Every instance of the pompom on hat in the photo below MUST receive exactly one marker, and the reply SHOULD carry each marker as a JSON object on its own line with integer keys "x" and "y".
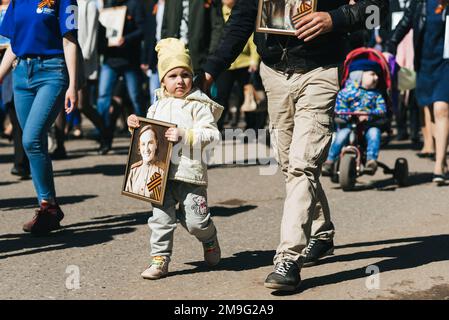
{"x": 172, "y": 53}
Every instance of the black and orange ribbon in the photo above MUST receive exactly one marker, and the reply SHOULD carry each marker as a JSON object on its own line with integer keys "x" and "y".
{"x": 46, "y": 3}
{"x": 441, "y": 6}
{"x": 154, "y": 184}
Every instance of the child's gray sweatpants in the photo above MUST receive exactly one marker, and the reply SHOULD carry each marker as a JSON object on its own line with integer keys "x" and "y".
{"x": 193, "y": 214}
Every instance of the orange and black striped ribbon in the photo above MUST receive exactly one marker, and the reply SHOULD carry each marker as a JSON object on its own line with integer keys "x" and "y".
{"x": 47, "y": 3}
{"x": 303, "y": 9}
{"x": 154, "y": 184}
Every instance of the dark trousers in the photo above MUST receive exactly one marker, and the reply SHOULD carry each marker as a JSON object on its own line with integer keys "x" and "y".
{"x": 225, "y": 83}
{"x": 20, "y": 158}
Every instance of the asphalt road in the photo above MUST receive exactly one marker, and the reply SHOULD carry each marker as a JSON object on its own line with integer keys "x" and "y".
{"x": 401, "y": 232}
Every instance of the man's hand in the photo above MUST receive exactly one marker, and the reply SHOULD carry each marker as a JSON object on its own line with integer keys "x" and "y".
{"x": 144, "y": 67}
{"x": 313, "y": 25}
{"x": 120, "y": 42}
{"x": 204, "y": 82}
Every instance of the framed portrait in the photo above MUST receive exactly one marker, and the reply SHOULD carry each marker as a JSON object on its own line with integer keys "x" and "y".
{"x": 113, "y": 19}
{"x": 280, "y": 16}
{"x": 148, "y": 161}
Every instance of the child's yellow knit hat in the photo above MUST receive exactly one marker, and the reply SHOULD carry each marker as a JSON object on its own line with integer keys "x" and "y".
{"x": 172, "y": 53}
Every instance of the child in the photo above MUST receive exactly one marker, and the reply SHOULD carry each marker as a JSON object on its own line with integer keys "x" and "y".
{"x": 195, "y": 115}
{"x": 360, "y": 95}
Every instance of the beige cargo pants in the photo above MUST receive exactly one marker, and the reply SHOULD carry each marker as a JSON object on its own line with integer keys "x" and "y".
{"x": 300, "y": 110}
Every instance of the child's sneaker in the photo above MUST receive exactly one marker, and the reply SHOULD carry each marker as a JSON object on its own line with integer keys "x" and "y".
{"x": 371, "y": 167}
{"x": 212, "y": 252}
{"x": 158, "y": 268}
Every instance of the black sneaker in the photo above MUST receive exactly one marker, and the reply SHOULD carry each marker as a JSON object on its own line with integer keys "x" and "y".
{"x": 285, "y": 276}
{"x": 316, "y": 250}
{"x": 328, "y": 169}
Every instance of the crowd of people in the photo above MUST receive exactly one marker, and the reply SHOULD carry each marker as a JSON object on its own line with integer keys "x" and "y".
{"x": 190, "y": 48}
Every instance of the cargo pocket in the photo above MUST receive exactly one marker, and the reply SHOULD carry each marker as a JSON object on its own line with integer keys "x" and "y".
{"x": 320, "y": 138}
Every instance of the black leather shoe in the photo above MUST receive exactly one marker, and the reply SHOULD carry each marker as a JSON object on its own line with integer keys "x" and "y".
{"x": 316, "y": 250}
{"x": 285, "y": 276}
{"x": 59, "y": 154}
{"x": 104, "y": 148}
{"x": 24, "y": 174}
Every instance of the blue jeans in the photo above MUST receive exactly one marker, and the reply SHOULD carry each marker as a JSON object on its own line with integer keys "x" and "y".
{"x": 154, "y": 84}
{"x": 39, "y": 87}
{"x": 372, "y": 136}
{"x": 107, "y": 82}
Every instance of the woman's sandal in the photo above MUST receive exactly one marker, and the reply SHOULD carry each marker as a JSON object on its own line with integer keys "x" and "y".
{"x": 426, "y": 154}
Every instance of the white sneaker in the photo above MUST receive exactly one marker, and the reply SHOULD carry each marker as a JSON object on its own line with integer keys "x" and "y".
{"x": 212, "y": 252}
{"x": 158, "y": 268}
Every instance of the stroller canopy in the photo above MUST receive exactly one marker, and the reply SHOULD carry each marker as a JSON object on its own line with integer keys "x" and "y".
{"x": 373, "y": 55}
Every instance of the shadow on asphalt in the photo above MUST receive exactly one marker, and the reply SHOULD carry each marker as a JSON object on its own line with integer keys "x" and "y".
{"x": 402, "y": 255}
{"x": 93, "y": 151}
{"x": 7, "y": 183}
{"x": 104, "y": 169}
{"x": 29, "y": 203}
{"x": 390, "y": 184}
{"x": 79, "y": 235}
{"x": 7, "y": 158}
{"x": 219, "y": 211}
{"x": 240, "y": 261}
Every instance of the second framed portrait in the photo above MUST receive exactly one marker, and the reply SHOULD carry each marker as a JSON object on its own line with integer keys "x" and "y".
{"x": 148, "y": 161}
{"x": 280, "y": 16}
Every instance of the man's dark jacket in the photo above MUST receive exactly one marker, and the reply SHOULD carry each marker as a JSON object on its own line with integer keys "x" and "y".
{"x": 414, "y": 18}
{"x": 325, "y": 50}
{"x": 127, "y": 55}
{"x": 205, "y": 26}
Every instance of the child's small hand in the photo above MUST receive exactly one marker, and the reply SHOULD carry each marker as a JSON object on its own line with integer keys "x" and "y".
{"x": 133, "y": 121}
{"x": 174, "y": 134}
{"x": 363, "y": 118}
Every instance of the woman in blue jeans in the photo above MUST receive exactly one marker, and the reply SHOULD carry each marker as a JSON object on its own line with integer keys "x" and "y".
{"x": 43, "y": 58}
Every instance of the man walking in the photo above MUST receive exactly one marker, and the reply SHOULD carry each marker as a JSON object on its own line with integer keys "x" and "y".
{"x": 300, "y": 75}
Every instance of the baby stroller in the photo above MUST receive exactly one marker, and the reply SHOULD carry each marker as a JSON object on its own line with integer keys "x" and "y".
{"x": 352, "y": 159}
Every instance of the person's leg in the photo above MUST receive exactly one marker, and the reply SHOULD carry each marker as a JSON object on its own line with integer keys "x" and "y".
{"x": 134, "y": 86}
{"x": 373, "y": 137}
{"x": 441, "y": 132}
{"x": 311, "y": 140}
{"x": 162, "y": 224}
{"x": 86, "y": 108}
{"x": 21, "y": 164}
{"x": 426, "y": 130}
{"x": 197, "y": 219}
{"x": 413, "y": 108}
{"x": 108, "y": 79}
{"x": 60, "y": 124}
{"x": 341, "y": 139}
{"x": 154, "y": 84}
{"x": 46, "y": 106}
{"x": 240, "y": 78}
{"x": 224, "y": 86}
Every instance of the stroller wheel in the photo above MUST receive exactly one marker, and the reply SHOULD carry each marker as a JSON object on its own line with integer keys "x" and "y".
{"x": 401, "y": 171}
{"x": 348, "y": 172}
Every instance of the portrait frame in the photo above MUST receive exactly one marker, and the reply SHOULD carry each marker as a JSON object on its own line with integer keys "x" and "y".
{"x": 157, "y": 172}
{"x": 267, "y": 22}
{"x": 113, "y": 19}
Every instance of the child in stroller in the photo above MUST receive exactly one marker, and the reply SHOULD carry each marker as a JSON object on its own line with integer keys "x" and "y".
{"x": 360, "y": 95}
